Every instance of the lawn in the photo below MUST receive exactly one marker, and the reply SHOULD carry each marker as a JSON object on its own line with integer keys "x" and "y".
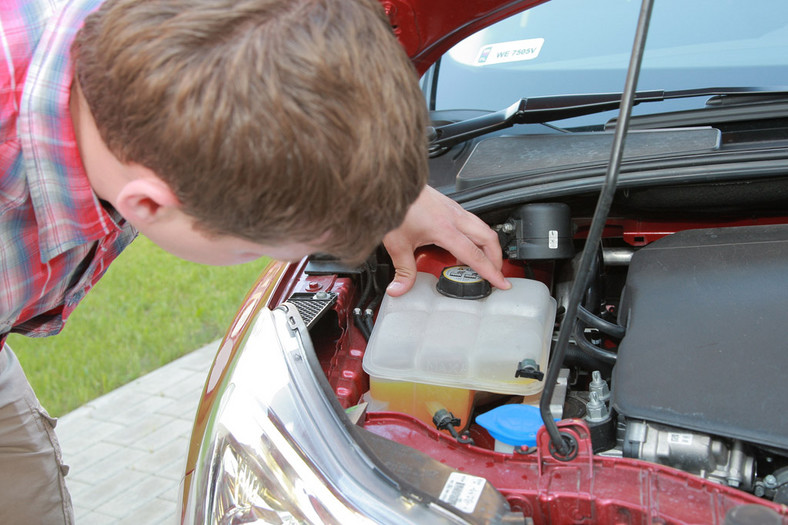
{"x": 149, "y": 309}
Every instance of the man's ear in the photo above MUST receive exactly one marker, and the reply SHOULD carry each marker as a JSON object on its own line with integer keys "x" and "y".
{"x": 145, "y": 200}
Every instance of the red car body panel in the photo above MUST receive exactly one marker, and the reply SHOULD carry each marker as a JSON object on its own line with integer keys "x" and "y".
{"x": 589, "y": 489}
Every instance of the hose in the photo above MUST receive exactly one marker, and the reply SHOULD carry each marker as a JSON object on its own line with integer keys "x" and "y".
{"x": 577, "y": 358}
{"x": 606, "y": 327}
{"x": 592, "y": 350}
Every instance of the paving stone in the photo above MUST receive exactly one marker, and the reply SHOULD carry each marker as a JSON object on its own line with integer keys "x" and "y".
{"x": 129, "y": 435}
{"x": 174, "y": 470}
{"x": 200, "y": 360}
{"x": 76, "y": 488}
{"x": 163, "y": 458}
{"x": 84, "y": 435}
{"x": 173, "y": 518}
{"x": 152, "y": 512}
{"x": 185, "y": 408}
{"x": 110, "y": 487}
{"x": 163, "y": 381}
{"x": 134, "y": 498}
{"x": 163, "y": 435}
{"x": 89, "y": 456}
{"x": 75, "y": 415}
{"x": 126, "y": 396}
{"x": 139, "y": 412}
{"x": 107, "y": 467}
{"x": 79, "y": 510}
{"x": 191, "y": 391}
{"x": 127, "y": 449}
{"x": 93, "y": 518}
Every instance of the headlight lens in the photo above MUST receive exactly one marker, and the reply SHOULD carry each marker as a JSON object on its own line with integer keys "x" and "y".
{"x": 240, "y": 496}
{"x": 264, "y": 477}
{"x": 275, "y": 451}
{"x": 253, "y": 486}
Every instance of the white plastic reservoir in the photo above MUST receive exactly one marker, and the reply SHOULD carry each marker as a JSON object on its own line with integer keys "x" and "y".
{"x": 427, "y": 338}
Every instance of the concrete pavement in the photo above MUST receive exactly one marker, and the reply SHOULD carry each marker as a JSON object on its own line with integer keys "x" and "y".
{"x": 127, "y": 449}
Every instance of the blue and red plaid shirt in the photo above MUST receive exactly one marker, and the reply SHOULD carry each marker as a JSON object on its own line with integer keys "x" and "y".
{"x": 56, "y": 238}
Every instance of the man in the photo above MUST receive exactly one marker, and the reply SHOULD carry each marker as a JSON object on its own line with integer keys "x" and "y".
{"x": 223, "y": 130}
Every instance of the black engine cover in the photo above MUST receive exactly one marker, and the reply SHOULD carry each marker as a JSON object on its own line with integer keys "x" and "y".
{"x": 706, "y": 346}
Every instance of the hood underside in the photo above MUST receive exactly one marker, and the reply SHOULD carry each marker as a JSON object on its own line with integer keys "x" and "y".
{"x": 429, "y": 28}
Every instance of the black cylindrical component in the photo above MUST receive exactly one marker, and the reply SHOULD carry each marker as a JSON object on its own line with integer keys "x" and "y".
{"x": 603, "y": 434}
{"x": 543, "y": 231}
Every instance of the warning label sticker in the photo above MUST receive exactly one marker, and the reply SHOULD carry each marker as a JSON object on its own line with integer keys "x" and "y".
{"x": 679, "y": 439}
{"x": 463, "y": 491}
{"x": 514, "y": 51}
{"x": 552, "y": 239}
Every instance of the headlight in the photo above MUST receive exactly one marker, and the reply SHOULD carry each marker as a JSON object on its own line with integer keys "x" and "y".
{"x": 274, "y": 449}
{"x": 269, "y": 482}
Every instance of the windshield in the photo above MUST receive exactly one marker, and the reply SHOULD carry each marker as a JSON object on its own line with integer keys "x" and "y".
{"x": 583, "y": 46}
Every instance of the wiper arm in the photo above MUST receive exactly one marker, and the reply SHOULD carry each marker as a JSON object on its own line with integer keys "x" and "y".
{"x": 532, "y": 110}
{"x": 536, "y": 110}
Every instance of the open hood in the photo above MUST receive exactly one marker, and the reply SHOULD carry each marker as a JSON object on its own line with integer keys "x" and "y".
{"x": 429, "y": 28}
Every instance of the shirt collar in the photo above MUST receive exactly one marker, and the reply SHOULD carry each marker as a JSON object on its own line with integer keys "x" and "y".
{"x": 67, "y": 210}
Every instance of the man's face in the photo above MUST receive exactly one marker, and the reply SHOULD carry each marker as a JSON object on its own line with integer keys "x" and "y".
{"x": 180, "y": 237}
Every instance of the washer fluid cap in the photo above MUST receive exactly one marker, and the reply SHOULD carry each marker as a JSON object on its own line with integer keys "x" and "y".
{"x": 461, "y": 282}
{"x": 512, "y": 424}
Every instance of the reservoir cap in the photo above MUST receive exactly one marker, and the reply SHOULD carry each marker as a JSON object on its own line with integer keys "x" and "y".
{"x": 515, "y": 425}
{"x": 461, "y": 282}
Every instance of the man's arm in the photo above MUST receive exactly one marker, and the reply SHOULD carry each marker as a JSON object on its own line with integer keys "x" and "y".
{"x": 436, "y": 219}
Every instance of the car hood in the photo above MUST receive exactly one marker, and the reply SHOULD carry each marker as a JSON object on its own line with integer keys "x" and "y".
{"x": 429, "y": 28}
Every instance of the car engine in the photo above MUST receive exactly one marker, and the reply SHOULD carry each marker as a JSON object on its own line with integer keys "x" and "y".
{"x": 699, "y": 376}
{"x": 676, "y": 358}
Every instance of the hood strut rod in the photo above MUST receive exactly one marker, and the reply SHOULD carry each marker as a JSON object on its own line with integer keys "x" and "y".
{"x": 563, "y": 445}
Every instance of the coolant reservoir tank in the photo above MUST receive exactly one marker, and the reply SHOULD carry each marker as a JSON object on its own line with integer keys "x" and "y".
{"x": 426, "y": 338}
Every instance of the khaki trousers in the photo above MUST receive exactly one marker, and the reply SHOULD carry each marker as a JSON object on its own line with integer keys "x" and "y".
{"x": 32, "y": 474}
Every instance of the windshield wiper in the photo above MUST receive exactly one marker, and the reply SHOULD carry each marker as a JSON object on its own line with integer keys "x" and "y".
{"x": 538, "y": 110}
{"x": 719, "y": 109}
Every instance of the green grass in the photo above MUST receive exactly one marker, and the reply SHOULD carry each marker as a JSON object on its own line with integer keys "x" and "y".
{"x": 149, "y": 309}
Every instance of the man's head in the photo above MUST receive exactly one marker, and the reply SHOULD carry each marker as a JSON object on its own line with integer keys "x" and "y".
{"x": 272, "y": 121}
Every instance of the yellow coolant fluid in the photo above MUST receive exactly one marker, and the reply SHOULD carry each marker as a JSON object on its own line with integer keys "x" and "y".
{"x": 421, "y": 400}
{"x": 429, "y": 350}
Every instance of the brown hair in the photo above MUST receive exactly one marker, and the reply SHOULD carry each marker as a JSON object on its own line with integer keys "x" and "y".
{"x": 271, "y": 120}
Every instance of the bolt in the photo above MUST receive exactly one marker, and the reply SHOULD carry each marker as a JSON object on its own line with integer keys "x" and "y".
{"x": 596, "y": 410}
{"x": 321, "y": 296}
{"x": 770, "y": 481}
{"x": 599, "y": 386}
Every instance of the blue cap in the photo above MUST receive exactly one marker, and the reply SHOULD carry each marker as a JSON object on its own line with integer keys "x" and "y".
{"x": 512, "y": 424}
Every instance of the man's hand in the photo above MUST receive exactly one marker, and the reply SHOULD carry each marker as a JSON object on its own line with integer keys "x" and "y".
{"x": 436, "y": 219}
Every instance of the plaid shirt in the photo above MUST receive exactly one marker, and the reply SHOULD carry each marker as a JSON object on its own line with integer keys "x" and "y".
{"x": 56, "y": 237}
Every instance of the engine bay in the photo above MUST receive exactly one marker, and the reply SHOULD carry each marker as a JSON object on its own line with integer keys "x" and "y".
{"x": 676, "y": 359}
{"x": 699, "y": 373}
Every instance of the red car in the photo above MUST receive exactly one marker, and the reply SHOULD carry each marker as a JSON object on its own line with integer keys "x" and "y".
{"x": 634, "y": 373}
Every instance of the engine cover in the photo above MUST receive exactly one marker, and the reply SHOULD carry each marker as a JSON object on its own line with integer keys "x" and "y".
{"x": 705, "y": 349}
